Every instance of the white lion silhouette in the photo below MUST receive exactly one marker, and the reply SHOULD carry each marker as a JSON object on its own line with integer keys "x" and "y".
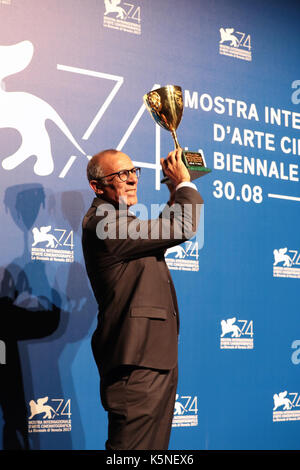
{"x": 40, "y": 407}
{"x": 111, "y": 6}
{"x": 228, "y": 327}
{"x": 27, "y": 114}
{"x": 176, "y": 249}
{"x": 281, "y": 400}
{"x": 42, "y": 235}
{"x": 179, "y": 409}
{"x": 226, "y": 35}
{"x": 280, "y": 255}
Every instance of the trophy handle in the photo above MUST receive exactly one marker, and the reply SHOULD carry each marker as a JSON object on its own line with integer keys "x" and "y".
{"x": 177, "y": 146}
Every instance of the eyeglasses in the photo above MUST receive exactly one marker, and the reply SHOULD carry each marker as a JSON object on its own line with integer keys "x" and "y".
{"x": 124, "y": 174}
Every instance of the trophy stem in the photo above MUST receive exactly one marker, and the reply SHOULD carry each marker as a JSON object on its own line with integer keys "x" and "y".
{"x": 177, "y": 146}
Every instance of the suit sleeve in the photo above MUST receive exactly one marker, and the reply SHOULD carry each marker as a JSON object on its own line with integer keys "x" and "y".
{"x": 128, "y": 237}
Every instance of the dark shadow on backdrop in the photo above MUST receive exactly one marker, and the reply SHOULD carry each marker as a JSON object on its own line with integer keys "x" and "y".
{"x": 17, "y": 322}
{"x": 62, "y": 317}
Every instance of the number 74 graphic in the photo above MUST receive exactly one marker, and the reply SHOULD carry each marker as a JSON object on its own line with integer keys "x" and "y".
{"x": 118, "y": 83}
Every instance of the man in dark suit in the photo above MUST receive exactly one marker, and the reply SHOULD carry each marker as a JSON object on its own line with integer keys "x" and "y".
{"x": 135, "y": 342}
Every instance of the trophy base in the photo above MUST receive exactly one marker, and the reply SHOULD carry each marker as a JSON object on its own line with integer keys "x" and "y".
{"x": 194, "y": 162}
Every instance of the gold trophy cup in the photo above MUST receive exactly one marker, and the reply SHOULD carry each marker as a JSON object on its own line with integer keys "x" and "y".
{"x": 166, "y": 107}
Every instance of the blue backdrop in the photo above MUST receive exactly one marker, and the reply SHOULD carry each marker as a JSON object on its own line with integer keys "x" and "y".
{"x": 73, "y": 75}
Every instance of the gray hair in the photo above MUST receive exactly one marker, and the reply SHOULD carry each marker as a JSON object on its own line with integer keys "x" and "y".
{"x": 94, "y": 169}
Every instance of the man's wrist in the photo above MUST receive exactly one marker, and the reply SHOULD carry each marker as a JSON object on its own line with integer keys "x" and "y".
{"x": 187, "y": 184}
{"x": 178, "y": 181}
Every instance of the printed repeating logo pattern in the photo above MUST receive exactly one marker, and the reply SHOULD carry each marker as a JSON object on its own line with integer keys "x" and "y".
{"x": 185, "y": 411}
{"x": 49, "y": 416}
{"x": 238, "y": 335}
{"x": 237, "y": 44}
{"x": 49, "y": 247}
{"x": 183, "y": 257}
{"x": 122, "y": 16}
{"x": 286, "y": 263}
{"x": 286, "y": 406}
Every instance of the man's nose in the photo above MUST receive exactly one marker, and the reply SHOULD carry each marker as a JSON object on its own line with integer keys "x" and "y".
{"x": 132, "y": 178}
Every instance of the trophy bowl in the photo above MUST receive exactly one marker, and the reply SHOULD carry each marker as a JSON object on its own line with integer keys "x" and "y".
{"x": 165, "y": 105}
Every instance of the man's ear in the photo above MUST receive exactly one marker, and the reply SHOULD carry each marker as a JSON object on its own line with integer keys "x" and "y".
{"x": 96, "y": 187}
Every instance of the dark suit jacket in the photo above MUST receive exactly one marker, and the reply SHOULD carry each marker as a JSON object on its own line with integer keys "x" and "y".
{"x": 138, "y": 313}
